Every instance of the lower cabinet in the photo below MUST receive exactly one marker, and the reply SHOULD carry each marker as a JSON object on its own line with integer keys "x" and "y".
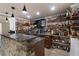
{"x": 47, "y": 41}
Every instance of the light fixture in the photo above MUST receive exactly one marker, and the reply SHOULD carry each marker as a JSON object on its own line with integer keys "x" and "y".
{"x": 53, "y": 8}
{"x": 6, "y": 19}
{"x": 13, "y": 8}
{"x": 12, "y": 15}
{"x": 24, "y": 11}
{"x": 37, "y": 13}
{"x": 28, "y": 16}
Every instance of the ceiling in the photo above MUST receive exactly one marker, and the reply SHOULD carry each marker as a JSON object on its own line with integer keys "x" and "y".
{"x": 32, "y": 8}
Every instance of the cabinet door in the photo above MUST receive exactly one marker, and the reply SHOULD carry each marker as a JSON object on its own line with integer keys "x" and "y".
{"x": 39, "y": 48}
{"x": 47, "y": 42}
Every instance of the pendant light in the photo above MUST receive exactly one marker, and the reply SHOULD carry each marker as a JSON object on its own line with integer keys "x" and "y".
{"x": 12, "y": 15}
{"x": 6, "y": 19}
{"x": 6, "y": 15}
{"x": 24, "y": 10}
{"x": 13, "y": 8}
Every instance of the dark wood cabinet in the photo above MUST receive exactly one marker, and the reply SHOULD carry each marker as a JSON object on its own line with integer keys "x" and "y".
{"x": 47, "y": 41}
{"x": 39, "y": 48}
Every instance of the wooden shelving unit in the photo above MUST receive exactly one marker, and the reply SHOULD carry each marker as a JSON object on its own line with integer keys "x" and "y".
{"x": 72, "y": 26}
{"x": 62, "y": 32}
{"x": 22, "y": 26}
{"x": 61, "y": 42}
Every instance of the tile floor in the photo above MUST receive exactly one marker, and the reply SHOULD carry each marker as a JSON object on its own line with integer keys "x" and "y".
{"x": 56, "y": 52}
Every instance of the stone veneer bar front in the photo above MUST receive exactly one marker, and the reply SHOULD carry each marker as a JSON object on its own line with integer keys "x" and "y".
{"x": 21, "y": 45}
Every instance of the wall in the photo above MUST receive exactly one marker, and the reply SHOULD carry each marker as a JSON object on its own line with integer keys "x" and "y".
{"x": 74, "y": 47}
{"x": 5, "y": 27}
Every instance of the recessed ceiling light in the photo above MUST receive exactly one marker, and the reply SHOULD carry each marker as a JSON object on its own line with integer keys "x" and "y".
{"x": 28, "y": 16}
{"x": 53, "y": 8}
{"x": 37, "y": 13}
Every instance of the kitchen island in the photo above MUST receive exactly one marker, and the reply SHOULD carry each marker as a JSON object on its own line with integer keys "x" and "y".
{"x": 22, "y": 45}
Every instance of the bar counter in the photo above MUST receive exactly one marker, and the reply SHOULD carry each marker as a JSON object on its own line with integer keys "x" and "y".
{"x": 47, "y": 34}
{"x": 22, "y": 45}
{"x": 55, "y": 41}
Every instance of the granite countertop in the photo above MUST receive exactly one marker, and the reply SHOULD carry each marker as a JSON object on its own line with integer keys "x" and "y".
{"x": 20, "y": 37}
{"x": 47, "y": 34}
{"x": 41, "y": 34}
